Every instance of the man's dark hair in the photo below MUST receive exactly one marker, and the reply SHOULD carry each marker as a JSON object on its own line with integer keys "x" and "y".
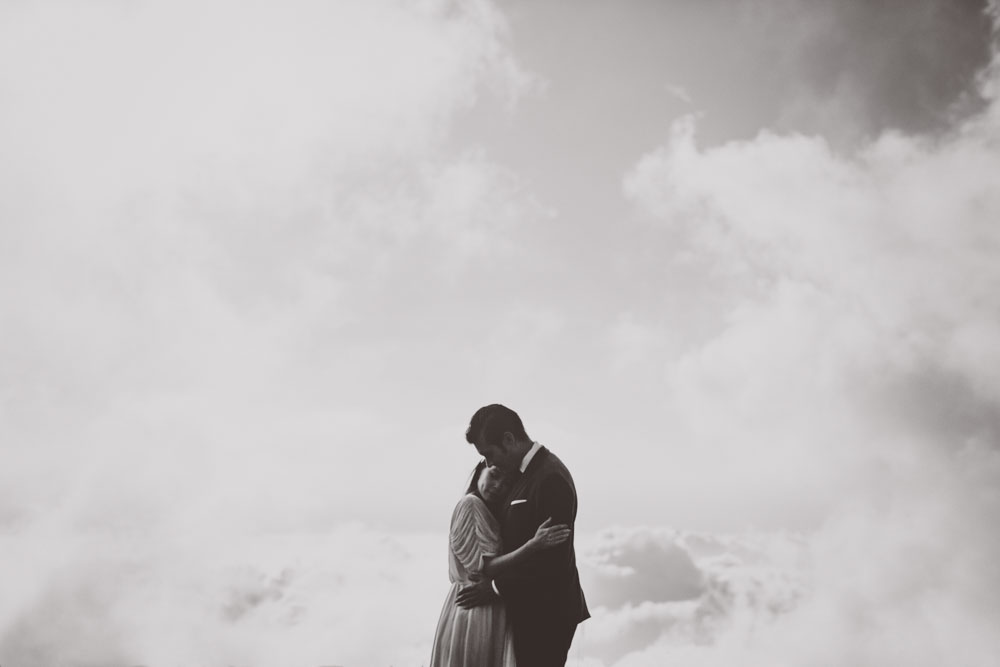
{"x": 492, "y": 421}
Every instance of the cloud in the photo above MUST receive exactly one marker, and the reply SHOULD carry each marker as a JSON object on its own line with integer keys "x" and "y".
{"x": 222, "y": 598}
{"x": 227, "y": 261}
{"x": 857, "y": 69}
{"x": 207, "y": 209}
{"x": 853, "y": 372}
{"x": 680, "y": 93}
{"x": 903, "y": 580}
{"x": 637, "y": 567}
{"x": 651, "y": 586}
{"x": 198, "y": 214}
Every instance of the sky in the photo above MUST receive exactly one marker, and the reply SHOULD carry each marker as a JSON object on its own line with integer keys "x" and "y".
{"x": 735, "y": 263}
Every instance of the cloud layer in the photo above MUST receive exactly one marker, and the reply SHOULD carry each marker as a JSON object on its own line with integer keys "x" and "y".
{"x": 211, "y": 598}
{"x": 197, "y": 214}
{"x": 858, "y": 358}
{"x": 199, "y": 203}
{"x": 249, "y": 277}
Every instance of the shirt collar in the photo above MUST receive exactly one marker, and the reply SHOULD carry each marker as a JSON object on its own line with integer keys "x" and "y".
{"x": 530, "y": 455}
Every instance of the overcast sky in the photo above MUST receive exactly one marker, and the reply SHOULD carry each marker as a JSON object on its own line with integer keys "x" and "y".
{"x": 735, "y": 262}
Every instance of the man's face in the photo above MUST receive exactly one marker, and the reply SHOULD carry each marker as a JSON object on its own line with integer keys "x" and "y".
{"x": 500, "y": 455}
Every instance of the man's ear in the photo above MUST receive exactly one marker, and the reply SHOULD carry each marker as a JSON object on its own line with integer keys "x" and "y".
{"x": 508, "y": 440}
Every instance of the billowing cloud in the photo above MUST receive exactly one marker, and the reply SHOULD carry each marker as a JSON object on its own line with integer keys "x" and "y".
{"x": 653, "y": 586}
{"x": 851, "y": 70}
{"x": 857, "y": 356}
{"x": 214, "y": 598}
{"x": 200, "y": 201}
{"x": 249, "y": 277}
{"x": 638, "y": 567}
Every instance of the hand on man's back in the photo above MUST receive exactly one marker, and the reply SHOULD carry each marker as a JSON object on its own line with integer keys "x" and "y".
{"x": 476, "y": 595}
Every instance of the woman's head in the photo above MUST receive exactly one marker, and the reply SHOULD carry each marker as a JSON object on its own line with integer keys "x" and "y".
{"x": 489, "y": 483}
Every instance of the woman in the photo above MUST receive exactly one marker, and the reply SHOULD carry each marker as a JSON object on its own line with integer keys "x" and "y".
{"x": 480, "y": 637}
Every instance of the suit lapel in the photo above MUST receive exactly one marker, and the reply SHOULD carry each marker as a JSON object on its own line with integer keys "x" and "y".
{"x": 523, "y": 481}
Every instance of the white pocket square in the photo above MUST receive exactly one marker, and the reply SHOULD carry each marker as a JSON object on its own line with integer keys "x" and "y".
{"x": 518, "y": 502}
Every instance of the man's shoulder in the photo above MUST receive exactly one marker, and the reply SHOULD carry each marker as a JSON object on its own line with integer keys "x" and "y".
{"x": 550, "y": 464}
{"x": 551, "y": 460}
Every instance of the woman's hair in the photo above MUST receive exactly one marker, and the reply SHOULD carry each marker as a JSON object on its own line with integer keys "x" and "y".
{"x": 476, "y": 474}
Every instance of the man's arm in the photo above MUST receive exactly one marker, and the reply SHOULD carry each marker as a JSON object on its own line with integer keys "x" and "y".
{"x": 476, "y": 595}
{"x": 485, "y": 592}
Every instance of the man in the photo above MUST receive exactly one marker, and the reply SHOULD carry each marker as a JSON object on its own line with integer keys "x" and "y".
{"x": 543, "y": 596}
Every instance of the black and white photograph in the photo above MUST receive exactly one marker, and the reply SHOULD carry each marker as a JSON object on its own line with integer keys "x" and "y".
{"x": 499, "y": 333}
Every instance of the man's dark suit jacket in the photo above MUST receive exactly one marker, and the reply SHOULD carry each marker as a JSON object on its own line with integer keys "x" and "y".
{"x": 543, "y": 595}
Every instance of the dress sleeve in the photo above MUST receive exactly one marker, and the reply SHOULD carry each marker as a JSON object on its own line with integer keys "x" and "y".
{"x": 473, "y": 534}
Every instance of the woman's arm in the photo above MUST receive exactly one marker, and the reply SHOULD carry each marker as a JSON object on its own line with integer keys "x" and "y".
{"x": 546, "y": 536}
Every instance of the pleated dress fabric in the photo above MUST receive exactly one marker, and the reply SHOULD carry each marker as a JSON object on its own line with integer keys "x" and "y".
{"x": 477, "y": 637}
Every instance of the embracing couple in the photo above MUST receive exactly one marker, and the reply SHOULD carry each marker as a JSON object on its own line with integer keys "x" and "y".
{"x": 515, "y": 598}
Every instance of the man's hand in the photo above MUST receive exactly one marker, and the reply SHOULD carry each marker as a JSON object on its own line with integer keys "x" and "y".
{"x": 476, "y": 595}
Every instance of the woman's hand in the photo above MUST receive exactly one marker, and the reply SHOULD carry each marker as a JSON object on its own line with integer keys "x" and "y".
{"x": 548, "y": 536}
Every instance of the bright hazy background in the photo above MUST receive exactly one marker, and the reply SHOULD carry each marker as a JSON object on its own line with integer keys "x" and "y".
{"x": 737, "y": 263}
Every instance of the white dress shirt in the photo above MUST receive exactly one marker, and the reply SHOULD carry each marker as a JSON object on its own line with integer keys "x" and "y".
{"x": 530, "y": 455}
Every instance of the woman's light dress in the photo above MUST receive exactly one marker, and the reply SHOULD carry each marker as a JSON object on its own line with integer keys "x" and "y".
{"x": 477, "y": 637}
